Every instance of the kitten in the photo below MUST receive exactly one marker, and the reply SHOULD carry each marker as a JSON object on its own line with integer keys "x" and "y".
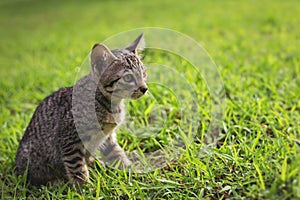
{"x": 73, "y": 122}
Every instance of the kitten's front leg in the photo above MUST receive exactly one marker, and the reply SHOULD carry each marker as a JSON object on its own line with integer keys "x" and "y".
{"x": 75, "y": 164}
{"x": 113, "y": 153}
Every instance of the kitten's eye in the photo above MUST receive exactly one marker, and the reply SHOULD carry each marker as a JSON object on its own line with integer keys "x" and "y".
{"x": 128, "y": 78}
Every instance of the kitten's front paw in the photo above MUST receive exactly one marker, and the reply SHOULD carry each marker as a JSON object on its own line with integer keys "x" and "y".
{"x": 120, "y": 163}
{"x": 126, "y": 162}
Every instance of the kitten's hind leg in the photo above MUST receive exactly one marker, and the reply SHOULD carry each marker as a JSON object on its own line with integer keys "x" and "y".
{"x": 112, "y": 153}
{"x": 75, "y": 164}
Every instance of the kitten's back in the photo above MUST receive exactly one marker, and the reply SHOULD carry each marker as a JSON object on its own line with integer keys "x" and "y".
{"x": 51, "y": 114}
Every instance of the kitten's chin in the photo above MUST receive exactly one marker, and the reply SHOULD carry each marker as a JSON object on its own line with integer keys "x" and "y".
{"x": 136, "y": 95}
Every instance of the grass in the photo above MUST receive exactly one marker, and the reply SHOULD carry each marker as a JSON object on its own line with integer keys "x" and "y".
{"x": 255, "y": 46}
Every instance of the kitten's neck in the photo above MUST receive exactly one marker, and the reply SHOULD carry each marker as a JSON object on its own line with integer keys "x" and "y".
{"x": 111, "y": 105}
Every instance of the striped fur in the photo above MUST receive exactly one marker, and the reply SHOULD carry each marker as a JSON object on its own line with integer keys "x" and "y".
{"x": 54, "y": 145}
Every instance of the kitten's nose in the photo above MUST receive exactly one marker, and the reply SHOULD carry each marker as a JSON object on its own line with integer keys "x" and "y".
{"x": 143, "y": 89}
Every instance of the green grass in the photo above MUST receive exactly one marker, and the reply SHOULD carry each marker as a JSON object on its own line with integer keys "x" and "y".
{"x": 256, "y": 48}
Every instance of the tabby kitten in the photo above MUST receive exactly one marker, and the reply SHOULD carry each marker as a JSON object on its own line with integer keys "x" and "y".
{"x": 72, "y": 123}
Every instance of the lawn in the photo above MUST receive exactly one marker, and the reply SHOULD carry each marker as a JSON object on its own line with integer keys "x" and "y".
{"x": 253, "y": 44}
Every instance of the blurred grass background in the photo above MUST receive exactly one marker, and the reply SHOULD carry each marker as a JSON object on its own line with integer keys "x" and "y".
{"x": 255, "y": 45}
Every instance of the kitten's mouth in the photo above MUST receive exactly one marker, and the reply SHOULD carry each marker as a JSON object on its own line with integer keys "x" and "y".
{"x": 138, "y": 93}
{"x": 136, "y": 96}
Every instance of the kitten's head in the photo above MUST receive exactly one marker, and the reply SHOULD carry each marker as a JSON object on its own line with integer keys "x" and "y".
{"x": 120, "y": 72}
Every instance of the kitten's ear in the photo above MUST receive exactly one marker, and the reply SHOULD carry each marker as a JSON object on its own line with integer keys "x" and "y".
{"x": 138, "y": 43}
{"x": 101, "y": 57}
